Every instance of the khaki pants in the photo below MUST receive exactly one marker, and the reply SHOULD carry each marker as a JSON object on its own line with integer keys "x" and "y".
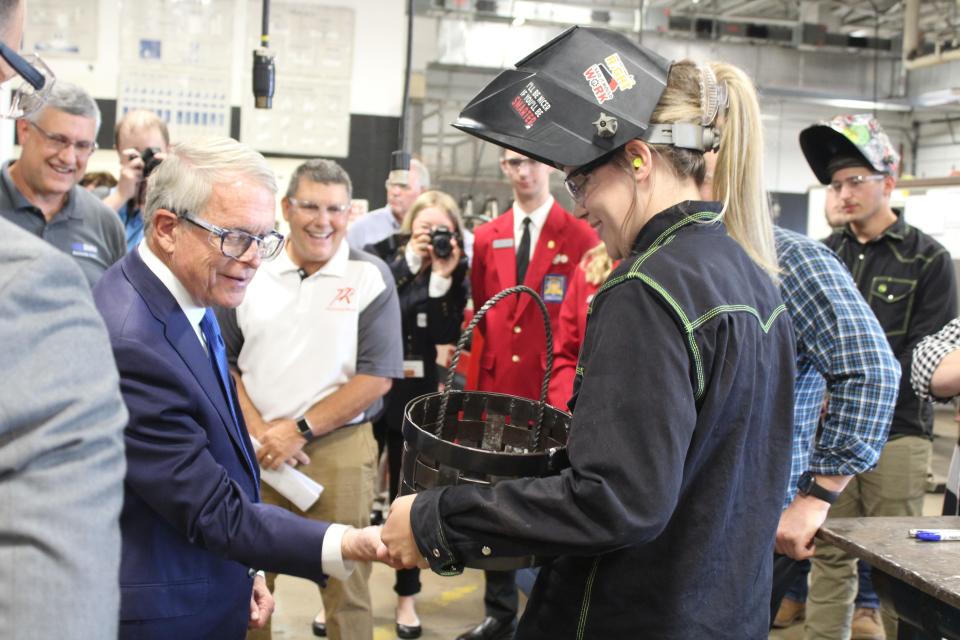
{"x": 894, "y": 488}
{"x": 344, "y": 462}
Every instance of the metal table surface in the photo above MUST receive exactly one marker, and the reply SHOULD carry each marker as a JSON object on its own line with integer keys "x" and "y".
{"x": 921, "y": 579}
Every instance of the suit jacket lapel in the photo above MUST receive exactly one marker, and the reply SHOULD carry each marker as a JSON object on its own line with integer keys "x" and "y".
{"x": 184, "y": 341}
{"x": 548, "y": 246}
{"x": 505, "y": 258}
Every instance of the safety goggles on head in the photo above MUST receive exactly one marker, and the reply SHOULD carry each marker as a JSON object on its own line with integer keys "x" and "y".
{"x": 32, "y": 92}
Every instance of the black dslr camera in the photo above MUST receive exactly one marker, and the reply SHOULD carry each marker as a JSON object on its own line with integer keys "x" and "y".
{"x": 441, "y": 238}
{"x": 150, "y": 162}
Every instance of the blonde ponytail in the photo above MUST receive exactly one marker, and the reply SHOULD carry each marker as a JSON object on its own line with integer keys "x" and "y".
{"x": 738, "y": 177}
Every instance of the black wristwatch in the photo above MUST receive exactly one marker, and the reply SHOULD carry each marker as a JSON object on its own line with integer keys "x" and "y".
{"x": 807, "y": 485}
{"x": 304, "y": 428}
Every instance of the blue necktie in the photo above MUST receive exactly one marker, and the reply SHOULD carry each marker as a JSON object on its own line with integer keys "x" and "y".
{"x": 218, "y": 358}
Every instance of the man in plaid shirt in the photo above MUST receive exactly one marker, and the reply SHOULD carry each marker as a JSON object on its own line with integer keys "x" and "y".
{"x": 935, "y": 376}
{"x": 841, "y": 348}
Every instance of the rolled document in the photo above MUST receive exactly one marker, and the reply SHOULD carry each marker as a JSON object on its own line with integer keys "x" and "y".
{"x": 290, "y": 483}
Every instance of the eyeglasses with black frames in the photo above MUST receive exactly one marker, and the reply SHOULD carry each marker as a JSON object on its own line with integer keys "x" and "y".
{"x": 234, "y": 243}
{"x": 38, "y": 81}
{"x": 576, "y": 180}
{"x": 83, "y": 148}
{"x": 314, "y": 208}
{"x": 855, "y": 182}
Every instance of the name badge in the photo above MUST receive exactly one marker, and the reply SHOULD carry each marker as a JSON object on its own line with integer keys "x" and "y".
{"x": 83, "y": 250}
{"x": 503, "y": 243}
{"x": 554, "y": 287}
{"x": 413, "y": 368}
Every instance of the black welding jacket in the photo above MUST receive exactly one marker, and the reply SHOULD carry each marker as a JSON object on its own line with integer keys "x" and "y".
{"x": 663, "y": 525}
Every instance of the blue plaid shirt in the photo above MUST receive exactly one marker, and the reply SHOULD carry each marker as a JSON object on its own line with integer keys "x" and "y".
{"x": 841, "y": 348}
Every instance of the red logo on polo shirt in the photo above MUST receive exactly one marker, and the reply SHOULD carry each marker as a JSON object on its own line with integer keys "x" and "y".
{"x": 344, "y": 300}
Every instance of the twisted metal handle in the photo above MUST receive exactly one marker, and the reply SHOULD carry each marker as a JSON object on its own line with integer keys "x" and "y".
{"x": 466, "y": 336}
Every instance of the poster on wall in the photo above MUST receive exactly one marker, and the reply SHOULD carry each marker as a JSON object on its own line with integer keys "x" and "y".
{"x": 313, "y": 48}
{"x": 57, "y": 29}
{"x": 932, "y": 212}
{"x": 175, "y": 60}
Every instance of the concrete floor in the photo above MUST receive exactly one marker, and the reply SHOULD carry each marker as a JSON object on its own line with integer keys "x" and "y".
{"x": 449, "y": 606}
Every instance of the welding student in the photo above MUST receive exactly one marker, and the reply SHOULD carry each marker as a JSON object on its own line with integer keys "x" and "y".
{"x": 663, "y": 525}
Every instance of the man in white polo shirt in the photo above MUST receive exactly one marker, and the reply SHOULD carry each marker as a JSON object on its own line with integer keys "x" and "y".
{"x": 315, "y": 345}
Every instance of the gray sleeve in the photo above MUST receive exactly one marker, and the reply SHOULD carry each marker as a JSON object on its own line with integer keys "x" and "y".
{"x": 380, "y": 341}
{"x": 61, "y": 448}
{"x": 230, "y": 330}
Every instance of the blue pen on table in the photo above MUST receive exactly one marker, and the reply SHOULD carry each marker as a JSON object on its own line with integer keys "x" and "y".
{"x": 937, "y": 535}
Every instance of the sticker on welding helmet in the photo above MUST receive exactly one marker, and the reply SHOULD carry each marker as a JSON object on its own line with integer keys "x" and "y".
{"x": 625, "y": 81}
{"x": 554, "y": 287}
{"x": 530, "y": 104}
{"x": 607, "y": 77}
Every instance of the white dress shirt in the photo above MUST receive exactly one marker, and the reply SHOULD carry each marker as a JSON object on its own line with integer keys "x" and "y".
{"x": 538, "y": 218}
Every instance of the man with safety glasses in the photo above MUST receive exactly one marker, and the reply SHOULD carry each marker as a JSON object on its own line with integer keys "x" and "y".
{"x": 907, "y": 279}
{"x": 40, "y": 192}
{"x": 194, "y": 529}
{"x": 315, "y": 346}
{"x": 61, "y": 420}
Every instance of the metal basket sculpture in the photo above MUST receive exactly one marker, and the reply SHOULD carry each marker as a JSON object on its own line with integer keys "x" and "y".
{"x": 480, "y": 438}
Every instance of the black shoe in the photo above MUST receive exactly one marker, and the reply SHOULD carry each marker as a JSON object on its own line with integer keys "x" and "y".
{"x": 491, "y": 629}
{"x": 320, "y": 629}
{"x": 412, "y": 631}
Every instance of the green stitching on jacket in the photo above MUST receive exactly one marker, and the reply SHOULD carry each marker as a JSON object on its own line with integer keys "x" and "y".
{"x": 585, "y": 607}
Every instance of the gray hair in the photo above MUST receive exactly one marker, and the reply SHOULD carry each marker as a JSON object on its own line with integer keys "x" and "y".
{"x": 185, "y": 179}
{"x": 322, "y": 171}
{"x": 72, "y": 99}
{"x": 423, "y": 172}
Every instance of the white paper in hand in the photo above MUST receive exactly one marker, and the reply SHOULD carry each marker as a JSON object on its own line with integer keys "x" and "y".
{"x": 290, "y": 483}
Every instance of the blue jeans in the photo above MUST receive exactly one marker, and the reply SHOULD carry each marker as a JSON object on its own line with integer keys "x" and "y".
{"x": 866, "y": 596}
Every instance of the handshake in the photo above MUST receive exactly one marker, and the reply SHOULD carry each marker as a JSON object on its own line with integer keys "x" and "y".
{"x": 393, "y": 544}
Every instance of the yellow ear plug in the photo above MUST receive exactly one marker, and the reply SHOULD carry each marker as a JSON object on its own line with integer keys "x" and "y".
{"x": 637, "y": 162}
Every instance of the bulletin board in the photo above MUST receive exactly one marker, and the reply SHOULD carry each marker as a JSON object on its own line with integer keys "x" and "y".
{"x": 57, "y": 29}
{"x": 935, "y": 213}
{"x": 175, "y": 59}
{"x": 313, "y": 47}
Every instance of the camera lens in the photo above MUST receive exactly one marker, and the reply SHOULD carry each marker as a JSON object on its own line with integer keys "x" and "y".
{"x": 440, "y": 239}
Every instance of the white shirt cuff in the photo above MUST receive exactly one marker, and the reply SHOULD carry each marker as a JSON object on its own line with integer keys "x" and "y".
{"x": 439, "y": 285}
{"x": 331, "y": 555}
{"x": 414, "y": 260}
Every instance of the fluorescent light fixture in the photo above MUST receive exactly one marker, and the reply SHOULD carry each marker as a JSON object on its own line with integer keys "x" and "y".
{"x": 938, "y": 97}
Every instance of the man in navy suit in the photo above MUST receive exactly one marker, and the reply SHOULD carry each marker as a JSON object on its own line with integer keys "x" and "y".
{"x": 193, "y": 531}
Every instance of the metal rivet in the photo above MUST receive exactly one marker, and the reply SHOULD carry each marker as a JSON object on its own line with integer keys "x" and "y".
{"x": 606, "y": 125}
{"x": 485, "y": 550}
{"x": 436, "y": 553}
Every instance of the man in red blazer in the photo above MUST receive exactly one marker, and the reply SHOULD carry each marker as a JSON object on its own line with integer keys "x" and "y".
{"x": 539, "y": 244}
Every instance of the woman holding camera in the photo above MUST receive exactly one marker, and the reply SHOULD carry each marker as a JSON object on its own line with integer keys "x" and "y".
{"x": 430, "y": 270}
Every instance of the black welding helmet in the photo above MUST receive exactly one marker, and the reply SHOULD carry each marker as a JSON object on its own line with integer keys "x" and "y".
{"x": 578, "y": 97}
